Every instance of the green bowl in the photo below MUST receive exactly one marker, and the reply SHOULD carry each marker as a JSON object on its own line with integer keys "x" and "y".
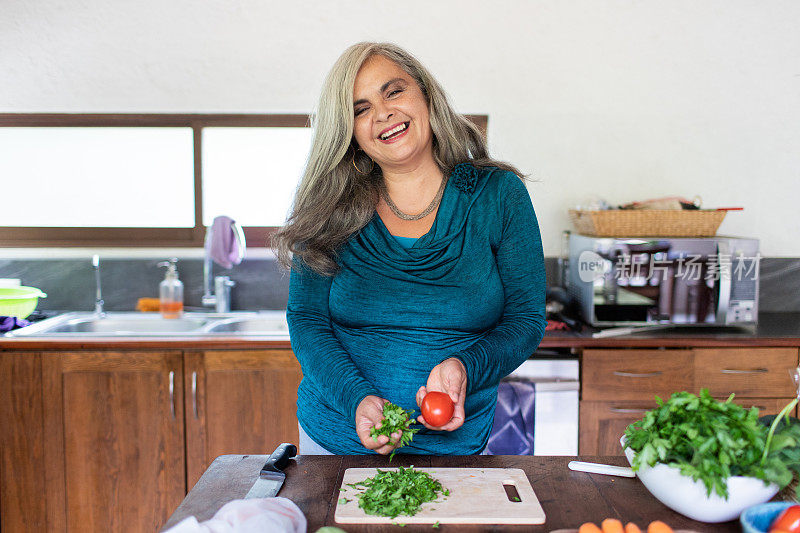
{"x": 19, "y": 301}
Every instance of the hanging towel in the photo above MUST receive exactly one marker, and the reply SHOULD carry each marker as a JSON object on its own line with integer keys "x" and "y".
{"x": 512, "y": 430}
{"x": 225, "y": 242}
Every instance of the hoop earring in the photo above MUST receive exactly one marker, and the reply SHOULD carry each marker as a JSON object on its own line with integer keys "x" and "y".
{"x": 353, "y": 160}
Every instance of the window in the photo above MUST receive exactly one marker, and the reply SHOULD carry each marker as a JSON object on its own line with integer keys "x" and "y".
{"x": 251, "y": 173}
{"x": 147, "y": 180}
{"x": 87, "y": 177}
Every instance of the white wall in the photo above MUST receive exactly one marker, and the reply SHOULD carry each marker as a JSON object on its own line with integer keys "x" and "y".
{"x": 623, "y": 99}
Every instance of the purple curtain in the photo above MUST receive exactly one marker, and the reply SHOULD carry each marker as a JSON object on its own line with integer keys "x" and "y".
{"x": 512, "y": 430}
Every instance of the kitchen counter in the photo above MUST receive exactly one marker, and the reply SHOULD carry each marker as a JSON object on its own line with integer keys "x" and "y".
{"x": 774, "y": 329}
{"x": 568, "y": 498}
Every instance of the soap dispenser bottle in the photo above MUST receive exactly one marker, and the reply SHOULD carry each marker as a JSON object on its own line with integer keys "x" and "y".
{"x": 171, "y": 291}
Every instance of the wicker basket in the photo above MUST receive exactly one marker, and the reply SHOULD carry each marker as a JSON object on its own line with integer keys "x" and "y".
{"x": 648, "y": 222}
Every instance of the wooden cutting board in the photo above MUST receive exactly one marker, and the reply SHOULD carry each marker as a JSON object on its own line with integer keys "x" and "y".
{"x": 477, "y": 496}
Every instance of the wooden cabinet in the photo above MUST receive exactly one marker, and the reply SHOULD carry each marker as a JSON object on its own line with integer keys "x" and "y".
{"x": 238, "y": 402}
{"x": 601, "y": 424}
{"x": 619, "y": 385}
{"x": 22, "y": 470}
{"x": 111, "y": 440}
{"x": 114, "y": 439}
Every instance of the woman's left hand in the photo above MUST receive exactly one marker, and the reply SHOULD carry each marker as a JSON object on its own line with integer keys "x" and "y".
{"x": 449, "y": 377}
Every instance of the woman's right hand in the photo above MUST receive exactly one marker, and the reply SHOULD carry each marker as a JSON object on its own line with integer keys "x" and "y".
{"x": 369, "y": 413}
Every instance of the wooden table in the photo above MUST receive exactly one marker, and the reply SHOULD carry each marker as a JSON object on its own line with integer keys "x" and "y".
{"x": 568, "y": 498}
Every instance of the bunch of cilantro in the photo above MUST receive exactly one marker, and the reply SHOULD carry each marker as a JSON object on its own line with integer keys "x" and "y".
{"x": 395, "y": 419}
{"x": 710, "y": 440}
{"x": 395, "y": 492}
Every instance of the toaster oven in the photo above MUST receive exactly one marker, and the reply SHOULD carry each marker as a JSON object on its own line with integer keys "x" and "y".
{"x": 640, "y": 281}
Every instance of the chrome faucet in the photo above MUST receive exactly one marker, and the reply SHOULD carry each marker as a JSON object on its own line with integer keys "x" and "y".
{"x": 98, "y": 294}
{"x": 222, "y": 293}
{"x": 221, "y": 298}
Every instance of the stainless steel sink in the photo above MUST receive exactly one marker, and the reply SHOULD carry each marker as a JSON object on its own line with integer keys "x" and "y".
{"x": 113, "y": 324}
{"x": 120, "y": 326}
{"x": 250, "y": 326}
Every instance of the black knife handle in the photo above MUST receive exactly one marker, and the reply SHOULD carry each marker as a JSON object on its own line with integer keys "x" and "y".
{"x": 279, "y": 458}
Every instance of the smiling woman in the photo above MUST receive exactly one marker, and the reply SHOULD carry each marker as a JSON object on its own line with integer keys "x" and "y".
{"x": 417, "y": 263}
{"x": 341, "y": 183}
{"x": 392, "y": 125}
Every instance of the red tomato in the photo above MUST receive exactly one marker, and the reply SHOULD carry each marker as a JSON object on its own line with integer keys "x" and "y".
{"x": 437, "y": 408}
{"x": 788, "y": 521}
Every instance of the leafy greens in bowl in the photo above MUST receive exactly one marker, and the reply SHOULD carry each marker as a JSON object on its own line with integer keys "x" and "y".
{"x": 716, "y": 445}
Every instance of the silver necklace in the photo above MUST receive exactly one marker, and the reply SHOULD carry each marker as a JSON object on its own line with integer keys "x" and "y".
{"x": 428, "y": 210}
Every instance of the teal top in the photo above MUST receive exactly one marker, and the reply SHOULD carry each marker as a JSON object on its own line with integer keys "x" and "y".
{"x": 406, "y": 242}
{"x": 473, "y": 287}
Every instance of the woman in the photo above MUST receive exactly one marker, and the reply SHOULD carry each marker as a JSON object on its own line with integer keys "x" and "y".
{"x": 417, "y": 262}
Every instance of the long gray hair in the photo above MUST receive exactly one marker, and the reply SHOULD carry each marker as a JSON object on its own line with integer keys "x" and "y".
{"x": 333, "y": 200}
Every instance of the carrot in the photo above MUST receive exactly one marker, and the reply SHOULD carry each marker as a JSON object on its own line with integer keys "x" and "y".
{"x": 589, "y": 527}
{"x": 630, "y": 527}
{"x": 657, "y": 526}
{"x": 612, "y": 525}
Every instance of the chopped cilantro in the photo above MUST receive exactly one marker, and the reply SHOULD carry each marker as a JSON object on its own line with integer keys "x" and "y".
{"x": 395, "y": 492}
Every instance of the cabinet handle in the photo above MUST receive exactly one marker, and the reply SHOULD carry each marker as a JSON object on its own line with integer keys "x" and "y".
{"x": 172, "y": 393}
{"x": 628, "y": 410}
{"x": 753, "y": 371}
{"x": 194, "y": 394}
{"x": 624, "y": 374}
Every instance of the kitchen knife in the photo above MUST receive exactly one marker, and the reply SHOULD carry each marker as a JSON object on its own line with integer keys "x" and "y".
{"x": 270, "y": 479}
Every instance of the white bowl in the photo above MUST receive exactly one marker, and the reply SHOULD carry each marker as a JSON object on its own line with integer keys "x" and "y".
{"x": 688, "y": 497}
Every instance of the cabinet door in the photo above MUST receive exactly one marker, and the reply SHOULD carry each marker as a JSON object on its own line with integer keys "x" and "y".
{"x": 114, "y": 440}
{"x": 22, "y": 469}
{"x": 238, "y": 402}
{"x": 602, "y": 424}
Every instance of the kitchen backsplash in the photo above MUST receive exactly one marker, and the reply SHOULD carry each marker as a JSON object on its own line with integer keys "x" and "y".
{"x": 70, "y": 283}
{"x": 260, "y": 283}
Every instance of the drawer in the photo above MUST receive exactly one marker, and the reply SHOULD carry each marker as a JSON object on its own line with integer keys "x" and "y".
{"x": 750, "y": 372}
{"x": 766, "y": 406}
{"x": 635, "y": 374}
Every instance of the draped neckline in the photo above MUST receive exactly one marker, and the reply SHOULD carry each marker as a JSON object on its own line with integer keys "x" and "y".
{"x": 434, "y": 252}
